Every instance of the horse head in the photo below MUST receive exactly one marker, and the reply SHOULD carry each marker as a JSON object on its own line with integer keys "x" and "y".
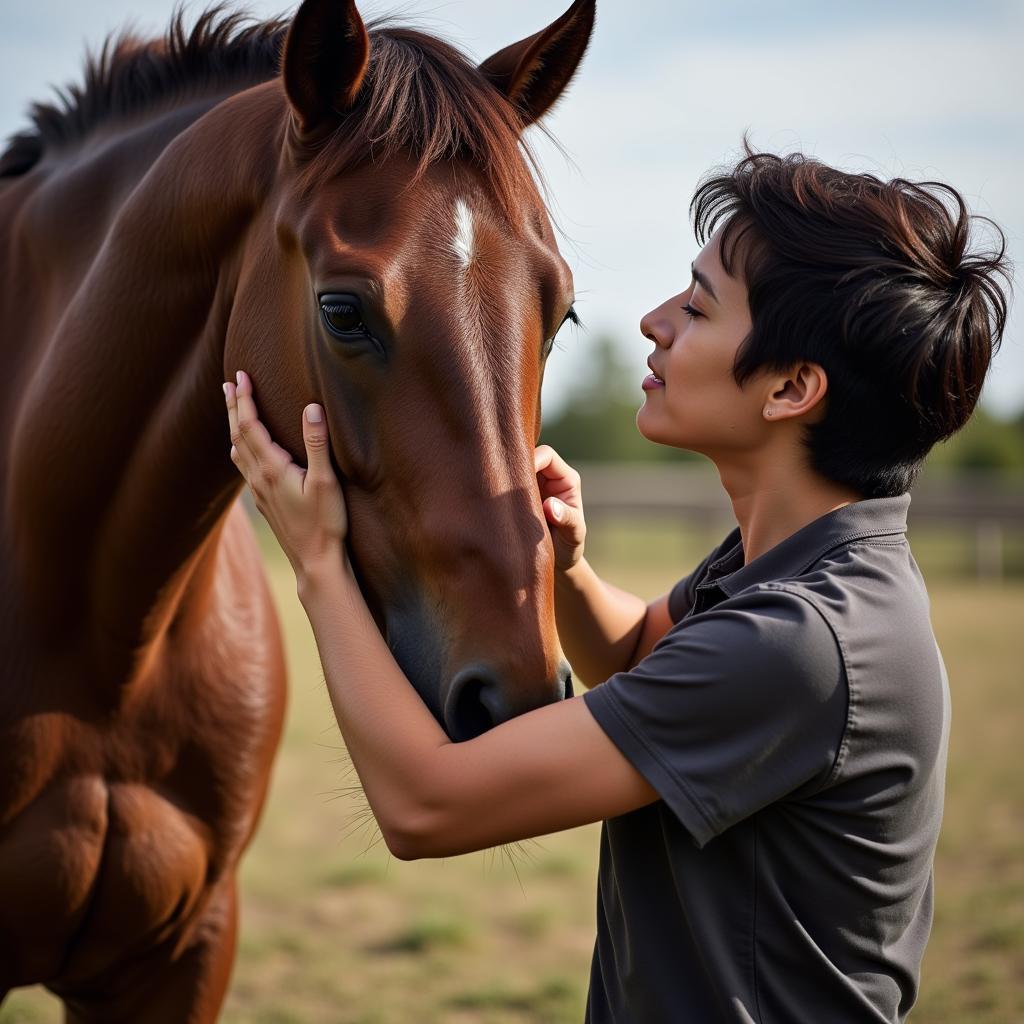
{"x": 406, "y": 276}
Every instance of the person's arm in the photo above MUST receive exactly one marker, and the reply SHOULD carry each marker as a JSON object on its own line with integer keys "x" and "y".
{"x": 546, "y": 770}
{"x": 603, "y": 629}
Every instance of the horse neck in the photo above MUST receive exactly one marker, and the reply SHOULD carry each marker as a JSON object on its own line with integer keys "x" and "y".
{"x": 119, "y": 472}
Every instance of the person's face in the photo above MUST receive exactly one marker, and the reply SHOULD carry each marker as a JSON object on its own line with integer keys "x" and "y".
{"x": 696, "y": 335}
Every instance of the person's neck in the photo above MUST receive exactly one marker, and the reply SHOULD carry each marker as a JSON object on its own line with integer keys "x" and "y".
{"x": 773, "y": 497}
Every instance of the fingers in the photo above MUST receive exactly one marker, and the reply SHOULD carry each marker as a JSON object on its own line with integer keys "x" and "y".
{"x": 542, "y": 456}
{"x": 559, "y": 486}
{"x": 549, "y": 464}
{"x": 318, "y": 451}
{"x": 566, "y": 518}
{"x": 253, "y": 451}
{"x": 252, "y": 433}
{"x": 558, "y": 512}
{"x": 558, "y": 483}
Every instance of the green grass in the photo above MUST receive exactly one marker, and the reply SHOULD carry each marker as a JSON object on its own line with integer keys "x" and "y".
{"x": 429, "y": 932}
{"x": 555, "y": 999}
{"x": 334, "y": 930}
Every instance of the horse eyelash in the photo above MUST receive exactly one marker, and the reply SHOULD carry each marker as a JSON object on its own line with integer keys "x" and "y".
{"x": 571, "y": 317}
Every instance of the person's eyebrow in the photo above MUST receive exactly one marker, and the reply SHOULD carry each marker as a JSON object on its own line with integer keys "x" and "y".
{"x": 703, "y": 281}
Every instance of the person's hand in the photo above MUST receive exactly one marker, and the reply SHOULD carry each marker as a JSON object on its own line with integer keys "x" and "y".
{"x": 560, "y": 496}
{"x": 304, "y": 507}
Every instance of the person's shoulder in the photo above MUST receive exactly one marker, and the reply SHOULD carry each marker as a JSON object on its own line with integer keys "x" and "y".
{"x": 872, "y": 596}
{"x": 783, "y": 615}
{"x": 775, "y": 629}
{"x": 869, "y": 587}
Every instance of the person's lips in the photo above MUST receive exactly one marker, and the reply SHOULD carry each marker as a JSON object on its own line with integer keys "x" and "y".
{"x": 654, "y": 379}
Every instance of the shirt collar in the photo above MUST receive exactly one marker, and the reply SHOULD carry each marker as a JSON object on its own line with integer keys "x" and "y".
{"x": 870, "y": 517}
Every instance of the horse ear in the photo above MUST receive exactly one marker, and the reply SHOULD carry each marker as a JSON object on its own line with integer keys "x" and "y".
{"x": 324, "y": 62}
{"x": 534, "y": 72}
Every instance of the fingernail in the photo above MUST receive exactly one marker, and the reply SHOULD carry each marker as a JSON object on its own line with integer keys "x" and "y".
{"x": 238, "y": 377}
{"x": 556, "y": 509}
{"x": 313, "y": 414}
{"x": 224, "y": 386}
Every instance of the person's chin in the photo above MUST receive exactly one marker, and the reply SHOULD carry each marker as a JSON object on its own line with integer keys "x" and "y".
{"x": 654, "y": 428}
{"x": 649, "y": 425}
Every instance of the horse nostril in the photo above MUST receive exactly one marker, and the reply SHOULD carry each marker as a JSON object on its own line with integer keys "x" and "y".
{"x": 475, "y": 704}
{"x": 477, "y": 701}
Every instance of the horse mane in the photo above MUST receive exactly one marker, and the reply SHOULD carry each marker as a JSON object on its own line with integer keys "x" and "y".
{"x": 130, "y": 75}
{"x": 420, "y": 94}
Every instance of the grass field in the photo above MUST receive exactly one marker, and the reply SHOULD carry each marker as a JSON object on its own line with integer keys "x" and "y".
{"x": 333, "y": 930}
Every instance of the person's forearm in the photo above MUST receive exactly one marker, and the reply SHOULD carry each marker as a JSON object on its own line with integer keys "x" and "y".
{"x": 599, "y": 625}
{"x": 390, "y": 734}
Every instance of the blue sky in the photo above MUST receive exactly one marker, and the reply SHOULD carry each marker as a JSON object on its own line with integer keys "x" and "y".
{"x": 905, "y": 87}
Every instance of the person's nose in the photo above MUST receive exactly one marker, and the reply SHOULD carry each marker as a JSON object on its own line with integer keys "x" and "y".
{"x": 657, "y": 326}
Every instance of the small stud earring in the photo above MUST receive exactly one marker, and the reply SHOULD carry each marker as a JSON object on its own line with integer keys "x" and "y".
{"x": 768, "y": 412}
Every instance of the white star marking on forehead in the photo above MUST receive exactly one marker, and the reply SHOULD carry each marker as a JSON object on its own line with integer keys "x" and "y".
{"x": 463, "y": 243}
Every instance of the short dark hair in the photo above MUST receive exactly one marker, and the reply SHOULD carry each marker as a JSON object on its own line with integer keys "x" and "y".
{"x": 874, "y": 281}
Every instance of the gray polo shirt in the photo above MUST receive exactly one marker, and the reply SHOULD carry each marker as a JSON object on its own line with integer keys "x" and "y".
{"x": 794, "y": 721}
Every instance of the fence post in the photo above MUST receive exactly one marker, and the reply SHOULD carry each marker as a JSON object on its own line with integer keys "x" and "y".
{"x": 989, "y": 550}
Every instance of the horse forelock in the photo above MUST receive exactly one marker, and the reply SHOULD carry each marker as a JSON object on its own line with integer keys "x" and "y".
{"x": 423, "y": 97}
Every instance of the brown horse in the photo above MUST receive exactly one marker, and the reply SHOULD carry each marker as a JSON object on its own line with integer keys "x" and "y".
{"x": 348, "y": 215}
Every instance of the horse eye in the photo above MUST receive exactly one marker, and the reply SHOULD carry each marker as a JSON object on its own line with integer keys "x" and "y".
{"x": 342, "y": 318}
{"x": 570, "y": 317}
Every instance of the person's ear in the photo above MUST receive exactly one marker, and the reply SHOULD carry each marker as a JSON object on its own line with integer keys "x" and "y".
{"x": 534, "y": 72}
{"x": 324, "y": 62}
{"x": 800, "y": 392}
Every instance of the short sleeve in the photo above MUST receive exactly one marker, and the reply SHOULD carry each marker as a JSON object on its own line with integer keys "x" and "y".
{"x": 681, "y": 596}
{"x": 733, "y": 709}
